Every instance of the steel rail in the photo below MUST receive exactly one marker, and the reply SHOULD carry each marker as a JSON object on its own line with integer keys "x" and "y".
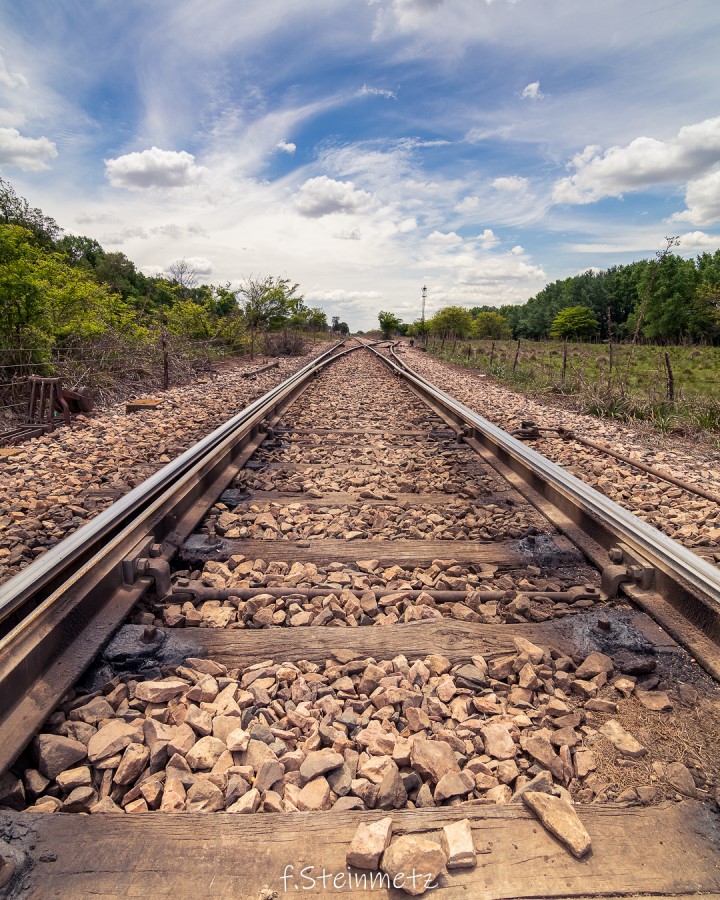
{"x": 69, "y": 602}
{"x": 41, "y": 575}
{"x": 682, "y": 578}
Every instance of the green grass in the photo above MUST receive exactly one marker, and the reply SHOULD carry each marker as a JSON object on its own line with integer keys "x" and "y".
{"x": 634, "y": 388}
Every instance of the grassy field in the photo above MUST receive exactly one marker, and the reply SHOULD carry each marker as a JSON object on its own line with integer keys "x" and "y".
{"x": 634, "y": 385}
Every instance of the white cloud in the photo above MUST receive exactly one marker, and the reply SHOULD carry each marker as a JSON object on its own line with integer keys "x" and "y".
{"x": 31, "y": 154}
{"x": 366, "y": 91}
{"x": 467, "y": 204}
{"x": 349, "y": 234}
{"x": 153, "y": 168}
{"x": 517, "y": 250}
{"x": 11, "y": 79}
{"x": 286, "y": 147}
{"x": 445, "y": 239}
{"x": 702, "y": 197}
{"x": 510, "y": 183}
{"x": 642, "y": 163}
{"x": 532, "y": 91}
{"x": 343, "y": 297}
{"x": 404, "y": 15}
{"x": 405, "y": 226}
{"x": 322, "y": 196}
{"x": 488, "y": 239}
{"x": 198, "y": 264}
{"x": 152, "y": 271}
{"x": 699, "y": 240}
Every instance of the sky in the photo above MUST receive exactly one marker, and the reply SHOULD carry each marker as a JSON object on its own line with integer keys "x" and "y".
{"x": 365, "y": 148}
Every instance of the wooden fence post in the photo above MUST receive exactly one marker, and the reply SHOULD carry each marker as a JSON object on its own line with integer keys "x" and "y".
{"x": 670, "y": 378}
{"x": 166, "y": 361}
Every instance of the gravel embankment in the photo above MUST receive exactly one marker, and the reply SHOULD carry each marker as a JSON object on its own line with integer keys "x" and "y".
{"x": 52, "y": 485}
{"x": 689, "y": 519}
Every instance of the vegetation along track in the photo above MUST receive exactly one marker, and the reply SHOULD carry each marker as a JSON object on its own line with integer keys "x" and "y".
{"x": 356, "y": 600}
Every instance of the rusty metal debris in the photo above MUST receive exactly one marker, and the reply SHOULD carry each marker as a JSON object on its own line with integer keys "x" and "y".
{"x": 48, "y": 402}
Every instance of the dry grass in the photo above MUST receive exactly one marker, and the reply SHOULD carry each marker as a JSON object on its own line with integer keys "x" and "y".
{"x": 689, "y": 734}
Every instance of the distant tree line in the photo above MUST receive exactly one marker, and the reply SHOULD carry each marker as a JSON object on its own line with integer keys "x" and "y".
{"x": 666, "y": 300}
{"x": 60, "y": 290}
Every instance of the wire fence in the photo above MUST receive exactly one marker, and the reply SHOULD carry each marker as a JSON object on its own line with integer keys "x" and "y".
{"x": 114, "y": 367}
{"x": 110, "y": 368}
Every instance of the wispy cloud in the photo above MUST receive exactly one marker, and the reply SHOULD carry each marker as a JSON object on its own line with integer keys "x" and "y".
{"x": 366, "y": 91}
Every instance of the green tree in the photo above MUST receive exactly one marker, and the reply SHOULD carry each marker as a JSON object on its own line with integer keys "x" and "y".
{"x": 43, "y": 300}
{"x": 451, "y": 322}
{"x": 389, "y": 323}
{"x": 15, "y": 210}
{"x": 574, "y": 322}
{"x": 668, "y": 287}
{"x": 491, "y": 325}
{"x": 267, "y": 304}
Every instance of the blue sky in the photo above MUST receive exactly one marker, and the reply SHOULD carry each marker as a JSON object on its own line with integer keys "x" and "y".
{"x": 364, "y": 148}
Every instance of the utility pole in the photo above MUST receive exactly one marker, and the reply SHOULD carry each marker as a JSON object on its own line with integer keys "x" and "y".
{"x": 424, "y": 298}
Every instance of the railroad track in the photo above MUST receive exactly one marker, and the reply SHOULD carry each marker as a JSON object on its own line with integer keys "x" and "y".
{"x": 358, "y": 599}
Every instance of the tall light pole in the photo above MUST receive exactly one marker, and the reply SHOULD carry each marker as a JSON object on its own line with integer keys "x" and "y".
{"x": 424, "y": 298}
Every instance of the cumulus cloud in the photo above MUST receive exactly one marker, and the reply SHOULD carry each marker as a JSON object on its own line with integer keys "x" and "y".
{"x": 702, "y": 198}
{"x": 444, "y": 239}
{"x": 532, "y": 91}
{"x": 152, "y": 271}
{"x": 510, "y": 183}
{"x": 488, "y": 239}
{"x": 153, "y": 168}
{"x": 31, "y": 154}
{"x": 366, "y": 91}
{"x": 517, "y": 250}
{"x": 642, "y": 163}
{"x": 699, "y": 240}
{"x": 286, "y": 147}
{"x": 467, "y": 204}
{"x": 498, "y": 269}
{"x": 322, "y": 196}
{"x": 349, "y": 234}
{"x": 198, "y": 264}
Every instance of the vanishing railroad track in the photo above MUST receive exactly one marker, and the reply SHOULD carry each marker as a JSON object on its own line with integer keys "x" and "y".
{"x": 358, "y": 599}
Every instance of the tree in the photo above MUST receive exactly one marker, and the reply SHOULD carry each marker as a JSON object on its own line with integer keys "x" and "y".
{"x": 451, "y": 322}
{"x": 419, "y": 328}
{"x": 574, "y": 321}
{"x": 389, "y": 323}
{"x": 267, "y": 304}
{"x": 15, "y": 210}
{"x": 44, "y": 300}
{"x": 183, "y": 274}
{"x": 492, "y": 325}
